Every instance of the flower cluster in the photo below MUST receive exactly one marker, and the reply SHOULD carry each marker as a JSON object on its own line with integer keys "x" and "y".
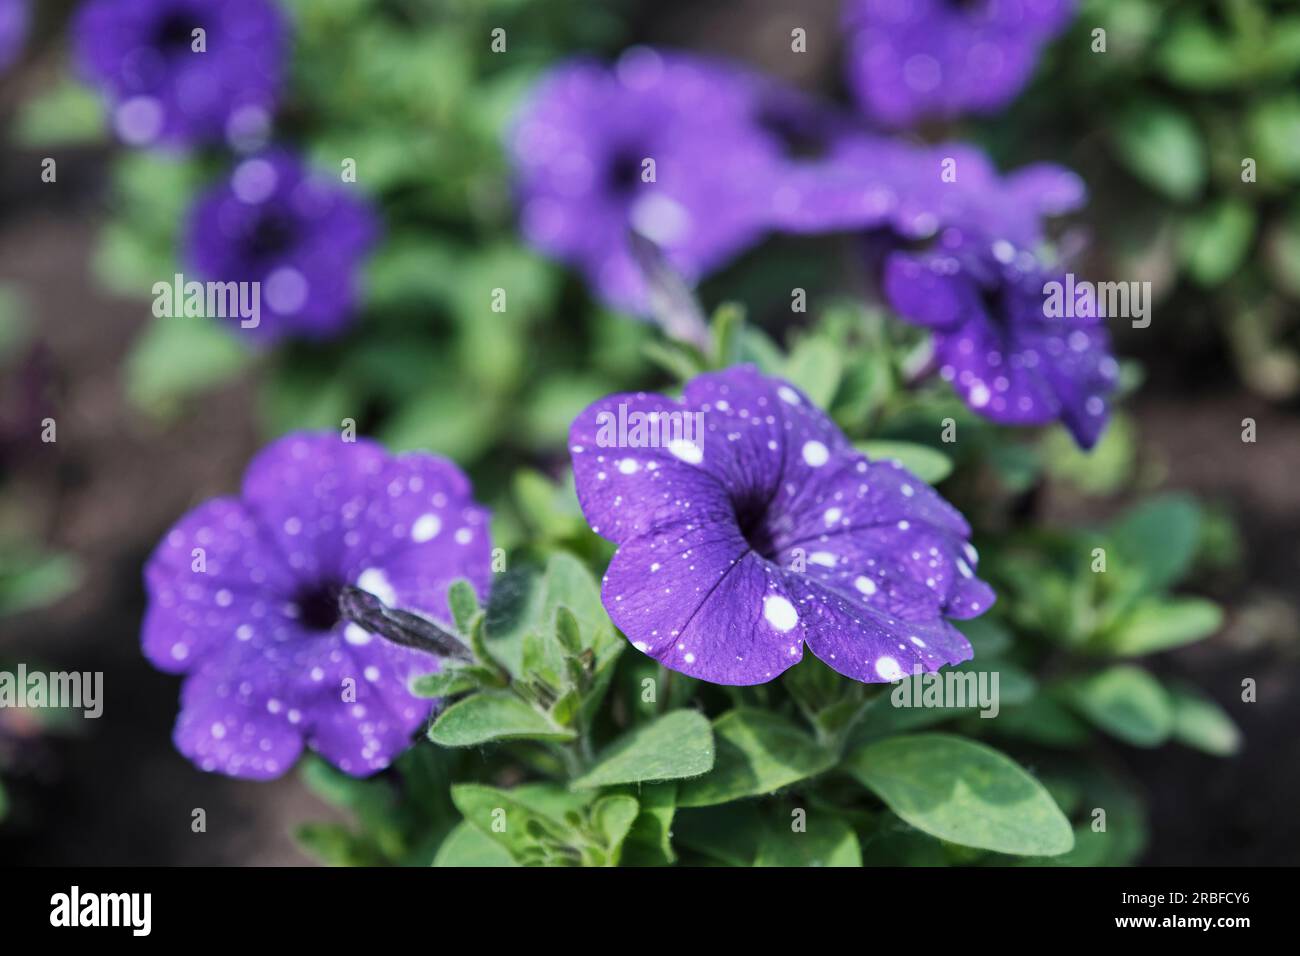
{"x": 768, "y": 531}
{"x": 244, "y": 600}
{"x": 179, "y": 73}
{"x": 705, "y": 158}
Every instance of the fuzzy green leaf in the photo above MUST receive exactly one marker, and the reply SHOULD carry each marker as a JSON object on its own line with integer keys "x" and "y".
{"x": 493, "y": 715}
{"x": 676, "y": 745}
{"x": 758, "y": 752}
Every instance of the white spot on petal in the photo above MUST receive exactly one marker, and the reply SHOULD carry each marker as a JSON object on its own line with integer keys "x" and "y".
{"x": 426, "y": 528}
{"x": 779, "y": 612}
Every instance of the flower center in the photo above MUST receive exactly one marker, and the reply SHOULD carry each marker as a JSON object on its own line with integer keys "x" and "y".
{"x": 273, "y": 235}
{"x": 798, "y": 137}
{"x": 175, "y": 33}
{"x": 751, "y": 516}
{"x": 624, "y": 172}
{"x": 318, "y": 606}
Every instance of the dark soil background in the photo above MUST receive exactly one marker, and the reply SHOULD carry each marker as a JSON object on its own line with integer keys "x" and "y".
{"x": 117, "y": 792}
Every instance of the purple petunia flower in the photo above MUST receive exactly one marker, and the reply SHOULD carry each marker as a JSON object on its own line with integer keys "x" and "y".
{"x": 243, "y": 599}
{"x": 836, "y": 177}
{"x": 748, "y": 526}
{"x": 14, "y": 16}
{"x": 908, "y": 59}
{"x": 301, "y": 237}
{"x": 164, "y": 86}
{"x": 662, "y": 143}
{"x": 994, "y": 339}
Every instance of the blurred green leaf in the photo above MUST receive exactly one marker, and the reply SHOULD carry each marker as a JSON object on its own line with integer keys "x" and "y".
{"x": 1201, "y": 723}
{"x": 66, "y": 114}
{"x": 176, "y": 359}
{"x": 816, "y": 366}
{"x": 930, "y": 465}
{"x": 1126, "y": 702}
{"x": 1162, "y": 147}
{"x": 1197, "y": 57}
{"x": 1215, "y": 240}
{"x": 31, "y": 579}
{"x": 1274, "y": 126}
{"x": 1157, "y": 540}
{"x": 1157, "y": 625}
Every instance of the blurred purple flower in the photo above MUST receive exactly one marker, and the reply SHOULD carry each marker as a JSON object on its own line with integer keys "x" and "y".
{"x": 243, "y": 599}
{"x": 851, "y": 180}
{"x": 986, "y": 303}
{"x": 303, "y": 238}
{"x": 662, "y": 143}
{"x": 14, "y": 17}
{"x": 749, "y": 526}
{"x": 160, "y": 89}
{"x": 909, "y": 59}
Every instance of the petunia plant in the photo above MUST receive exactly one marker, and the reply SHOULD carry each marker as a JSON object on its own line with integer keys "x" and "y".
{"x": 657, "y": 454}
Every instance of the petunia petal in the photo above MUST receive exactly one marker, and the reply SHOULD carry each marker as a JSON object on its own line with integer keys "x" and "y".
{"x": 231, "y": 722}
{"x": 213, "y": 580}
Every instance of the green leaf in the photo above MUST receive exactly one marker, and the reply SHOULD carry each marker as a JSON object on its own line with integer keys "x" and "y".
{"x": 988, "y": 636}
{"x": 63, "y": 115}
{"x": 1196, "y": 57}
{"x": 1156, "y": 625}
{"x": 816, "y": 366}
{"x": 612, "y": 818}
{"x": 1163, "y": 148}
{"x": 1201, "y": 723}
{"x": 730, "y": 834}
{"x": 757, "y": 752}
{"x": 466, "y": 845}
{"x": 963, "y": 792}
{"x": 828, "y": 841}
{"x": 929, "y": 464}
{"x": 1157, "y": 539}
{"x": 1214, "y": 242}
{"x": 1275, "y": 134}
{"x": 650, "y": 842}
{"x": 179, "y": 358}
{"x": 1043, "y": 720}
{"x": 1126, "y": 702}
{"x": 30, "y": 579}
{"x": 1105, "y": 469}
{"x": 493, "y": 715}
{"x": 520, "y": 819}
{"x": 449, "y": 682}
{"x": 336, "y": 845}
{"x": 676, "y": 745}
{"x": 463, "y": 602}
